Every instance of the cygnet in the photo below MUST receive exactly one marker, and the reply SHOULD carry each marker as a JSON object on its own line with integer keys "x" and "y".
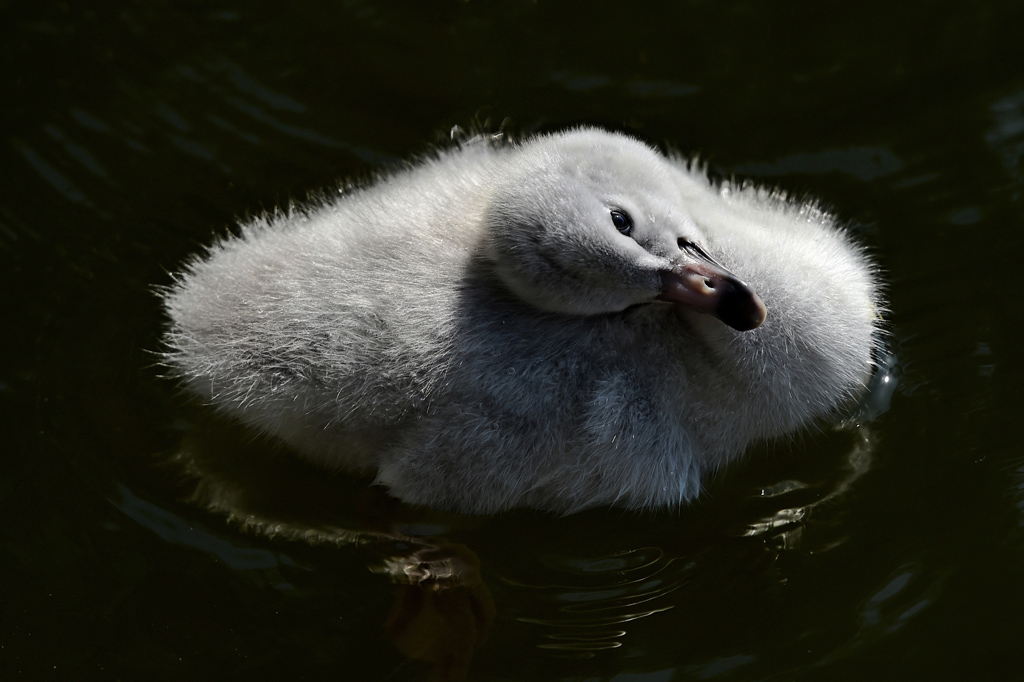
{"x": 567, "y": 321}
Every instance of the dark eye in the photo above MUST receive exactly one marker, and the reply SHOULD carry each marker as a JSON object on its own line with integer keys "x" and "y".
{"x": 623, "y": 223}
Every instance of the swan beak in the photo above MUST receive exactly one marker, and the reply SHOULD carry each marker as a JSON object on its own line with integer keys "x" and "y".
{"x": 710, "y": 288}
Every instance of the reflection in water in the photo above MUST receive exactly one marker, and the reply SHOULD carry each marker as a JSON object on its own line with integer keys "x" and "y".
{"x": 176, "y": 530}
{"x": 581, "y": 606}
{"x": 624, "y": 588}
{"x": 785, "y": 526}
{"x": 600, "y": 600}
{"x": 442, "y": 608}
{"x": 935, "y": 531}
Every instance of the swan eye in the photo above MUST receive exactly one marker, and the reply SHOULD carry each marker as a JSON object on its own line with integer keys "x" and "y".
{"x": 623, "y": 223}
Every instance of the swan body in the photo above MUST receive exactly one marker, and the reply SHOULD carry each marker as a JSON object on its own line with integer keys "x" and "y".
{"x": 568, "y": 321}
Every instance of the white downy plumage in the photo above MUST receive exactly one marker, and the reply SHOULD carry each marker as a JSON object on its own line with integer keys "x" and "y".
{"x": 568, "y": 321}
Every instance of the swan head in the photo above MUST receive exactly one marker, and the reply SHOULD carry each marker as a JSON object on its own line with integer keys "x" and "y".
{"x": 589, "y": 222}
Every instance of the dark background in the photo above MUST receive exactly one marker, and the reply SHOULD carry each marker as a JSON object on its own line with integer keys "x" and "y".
{"x": 134, "y": 132}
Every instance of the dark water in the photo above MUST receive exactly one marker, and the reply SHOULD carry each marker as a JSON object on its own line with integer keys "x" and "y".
{"x": 134, "y": 132}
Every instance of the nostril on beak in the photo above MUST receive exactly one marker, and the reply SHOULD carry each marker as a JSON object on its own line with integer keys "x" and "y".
{"x": 709, "y": 283}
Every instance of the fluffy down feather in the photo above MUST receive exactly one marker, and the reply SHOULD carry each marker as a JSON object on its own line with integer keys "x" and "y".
{"x": 483, "y": 331}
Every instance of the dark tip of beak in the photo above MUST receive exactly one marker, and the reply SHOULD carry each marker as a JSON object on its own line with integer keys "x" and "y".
{"x": 739, "y": 307}
{"x": 709, "y": 288}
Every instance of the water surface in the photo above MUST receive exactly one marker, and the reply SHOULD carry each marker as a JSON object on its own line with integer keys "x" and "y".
{"x": 136, "y": 132}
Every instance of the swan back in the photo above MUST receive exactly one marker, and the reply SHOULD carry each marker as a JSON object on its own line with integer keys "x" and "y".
{"x": 568, "y": 321}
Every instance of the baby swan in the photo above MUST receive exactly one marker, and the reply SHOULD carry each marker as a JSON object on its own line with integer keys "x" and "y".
{"x": 568, "y": 321}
